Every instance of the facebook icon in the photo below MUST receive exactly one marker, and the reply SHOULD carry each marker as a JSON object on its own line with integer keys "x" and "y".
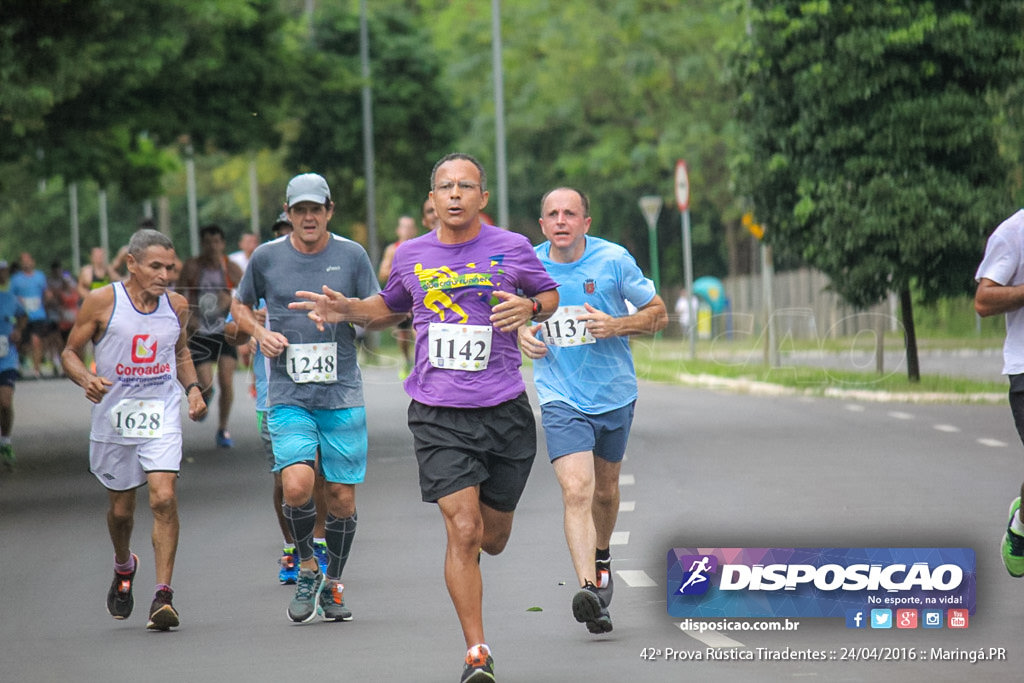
{"x": 855, "y": 618}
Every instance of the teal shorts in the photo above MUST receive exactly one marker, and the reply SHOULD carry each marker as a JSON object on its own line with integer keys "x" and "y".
{"x": 340, "y": 436}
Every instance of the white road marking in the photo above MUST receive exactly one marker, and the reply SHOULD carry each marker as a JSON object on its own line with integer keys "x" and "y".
{"x": 994, "y": 443}
{"x": 636, "y": 578}
{"x": 627, "y": 505}
{"x": 897, "y": 415}
{"x": 626, "y": 480}
{"x": 947, "y": 428}
{"x": 855, "y": 408}
{"x": 620, "y": 538}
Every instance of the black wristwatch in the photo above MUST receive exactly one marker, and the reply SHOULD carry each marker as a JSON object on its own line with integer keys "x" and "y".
{"x": 194, "y": 384}
{"x": 537, "y": 308}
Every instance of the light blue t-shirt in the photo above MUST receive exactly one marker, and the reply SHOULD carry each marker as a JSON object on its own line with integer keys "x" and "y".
{"x": 30, "y": 288}
{"x": 10, "y": 310}
{"x": 599, "y": 377}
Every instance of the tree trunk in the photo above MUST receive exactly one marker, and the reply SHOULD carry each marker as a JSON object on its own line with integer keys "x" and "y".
{"x": 907, "y": 313}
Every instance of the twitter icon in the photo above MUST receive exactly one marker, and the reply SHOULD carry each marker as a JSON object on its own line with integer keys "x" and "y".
{"x": 881, "y": 618}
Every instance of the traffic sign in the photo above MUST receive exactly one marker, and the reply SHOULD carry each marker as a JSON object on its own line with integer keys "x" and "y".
{"x": 682, "y": 186}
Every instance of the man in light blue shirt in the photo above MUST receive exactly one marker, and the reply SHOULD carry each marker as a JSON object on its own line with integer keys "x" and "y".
{"x": 587, "y": 385}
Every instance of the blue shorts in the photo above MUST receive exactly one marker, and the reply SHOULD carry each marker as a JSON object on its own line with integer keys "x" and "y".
{"x": 8, "y": 377}
{"x": 340, "y": 435}
{"x": 567, "y": 430}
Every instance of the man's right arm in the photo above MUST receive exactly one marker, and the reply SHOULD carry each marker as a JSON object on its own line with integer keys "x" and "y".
{"x": 96, "y": 308}
{"x": 992, "y": 298}
{"x": 334, "y": 307}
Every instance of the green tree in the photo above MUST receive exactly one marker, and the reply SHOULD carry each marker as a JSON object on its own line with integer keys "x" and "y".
{"x": 411, "y": 117}
{"x": 97, "y": 88}
{"x": 605, "y": 96}
{"x": 873, "y": 151}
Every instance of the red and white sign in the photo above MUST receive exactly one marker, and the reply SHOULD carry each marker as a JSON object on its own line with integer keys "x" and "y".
{"x": 682, "y": 186}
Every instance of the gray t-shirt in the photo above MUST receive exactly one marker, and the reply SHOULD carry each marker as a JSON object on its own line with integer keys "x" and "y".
{"x": 275, "y": 272}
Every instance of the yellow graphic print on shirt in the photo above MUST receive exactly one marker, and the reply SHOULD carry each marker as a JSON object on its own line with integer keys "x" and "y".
{"x": 437, "y": 281}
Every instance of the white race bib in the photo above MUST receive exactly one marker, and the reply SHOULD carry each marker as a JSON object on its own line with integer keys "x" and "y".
{"x": 563, "y": 329}
{"x": 4, "y": 346}
{"x": 459, "y": 347}
{"x": 138, "y": 418}
{"x": 312, "y": 362}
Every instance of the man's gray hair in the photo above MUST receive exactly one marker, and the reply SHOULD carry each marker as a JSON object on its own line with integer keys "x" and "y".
{"x": 144, "y": 239}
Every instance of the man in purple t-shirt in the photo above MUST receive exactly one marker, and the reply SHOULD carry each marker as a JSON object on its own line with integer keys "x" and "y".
{"x": 469, "y": 286}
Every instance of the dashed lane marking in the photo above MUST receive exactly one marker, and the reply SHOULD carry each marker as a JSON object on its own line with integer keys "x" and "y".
{"x": 627, "y": 505}
{"x": 620, "y": 538}
{"x": 636, "y": 578}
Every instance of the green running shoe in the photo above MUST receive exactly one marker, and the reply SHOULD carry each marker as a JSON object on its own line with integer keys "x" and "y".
{"x": 1013, "y": 545}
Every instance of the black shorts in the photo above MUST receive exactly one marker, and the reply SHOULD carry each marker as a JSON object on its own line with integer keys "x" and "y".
{"x": 40, "y": 328}
{"x": 209, "y": 348}
{"x": 461, "y": 447}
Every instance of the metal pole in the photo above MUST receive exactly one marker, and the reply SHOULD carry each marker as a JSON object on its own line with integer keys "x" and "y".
{"x": 254, "y": 199}
{"x": 104, "y": 223}
{"x": 368, "y": 153}
{"x": 767, "y": 284}
{"x": 193, "y": 209}
{"x": 499, "y": 114}
{"x": 688, "y": 275}
{"x": 76, "y": 249}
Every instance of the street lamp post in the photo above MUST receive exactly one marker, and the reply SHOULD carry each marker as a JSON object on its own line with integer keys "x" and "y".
{"x": 650, "y": 206}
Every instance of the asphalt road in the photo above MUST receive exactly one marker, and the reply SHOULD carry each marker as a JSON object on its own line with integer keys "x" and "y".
{"x": 704, "y": 469}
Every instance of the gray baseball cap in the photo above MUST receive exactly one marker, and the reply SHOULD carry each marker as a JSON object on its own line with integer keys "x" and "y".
{"x": 308, "y": 187}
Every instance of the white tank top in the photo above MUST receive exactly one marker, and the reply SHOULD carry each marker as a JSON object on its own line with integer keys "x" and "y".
{"x": 137, "y": 354}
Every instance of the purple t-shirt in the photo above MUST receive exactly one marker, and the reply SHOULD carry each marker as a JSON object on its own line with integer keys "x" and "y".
{"x": 453, "y": 284}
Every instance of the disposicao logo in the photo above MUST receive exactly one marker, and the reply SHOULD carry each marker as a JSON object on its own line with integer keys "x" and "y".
{"x": 817, "y": 582}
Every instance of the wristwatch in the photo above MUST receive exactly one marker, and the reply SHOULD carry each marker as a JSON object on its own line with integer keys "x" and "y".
{"x": 537, "y": 308}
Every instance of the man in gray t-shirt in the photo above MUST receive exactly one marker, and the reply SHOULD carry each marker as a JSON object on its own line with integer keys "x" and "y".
{"x": 314, "y": 392}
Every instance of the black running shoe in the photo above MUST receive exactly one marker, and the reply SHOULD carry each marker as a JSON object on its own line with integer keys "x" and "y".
{"x": 162, "y": 615}
{"x": 588, "y": 608}
{"x": 605, "y": 583}
{"x": 119, "y": 598}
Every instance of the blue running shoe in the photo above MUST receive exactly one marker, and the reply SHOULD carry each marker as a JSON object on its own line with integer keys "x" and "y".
{"x": 320, "y": 550}
{"x": 224, "y": 439}
{"x": 289, "y": 567}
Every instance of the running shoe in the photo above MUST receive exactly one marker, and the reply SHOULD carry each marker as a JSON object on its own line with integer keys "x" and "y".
{"x": 119, "y": 598}
{"x": 320, "y": 550}
{"x": 224, "y": 439}
{"x": 7, "y": 456}
{"x": 588, "y": 608}
{"x": 605, "y": 583}
{"x": 308, "y": 587}
{"x": 479, "y": 665}
{"x": 1013, "y": 545}
{"x": 332, "y": 602}
{"x": 162, "y": 615}
{"x": 289, "y": 567}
